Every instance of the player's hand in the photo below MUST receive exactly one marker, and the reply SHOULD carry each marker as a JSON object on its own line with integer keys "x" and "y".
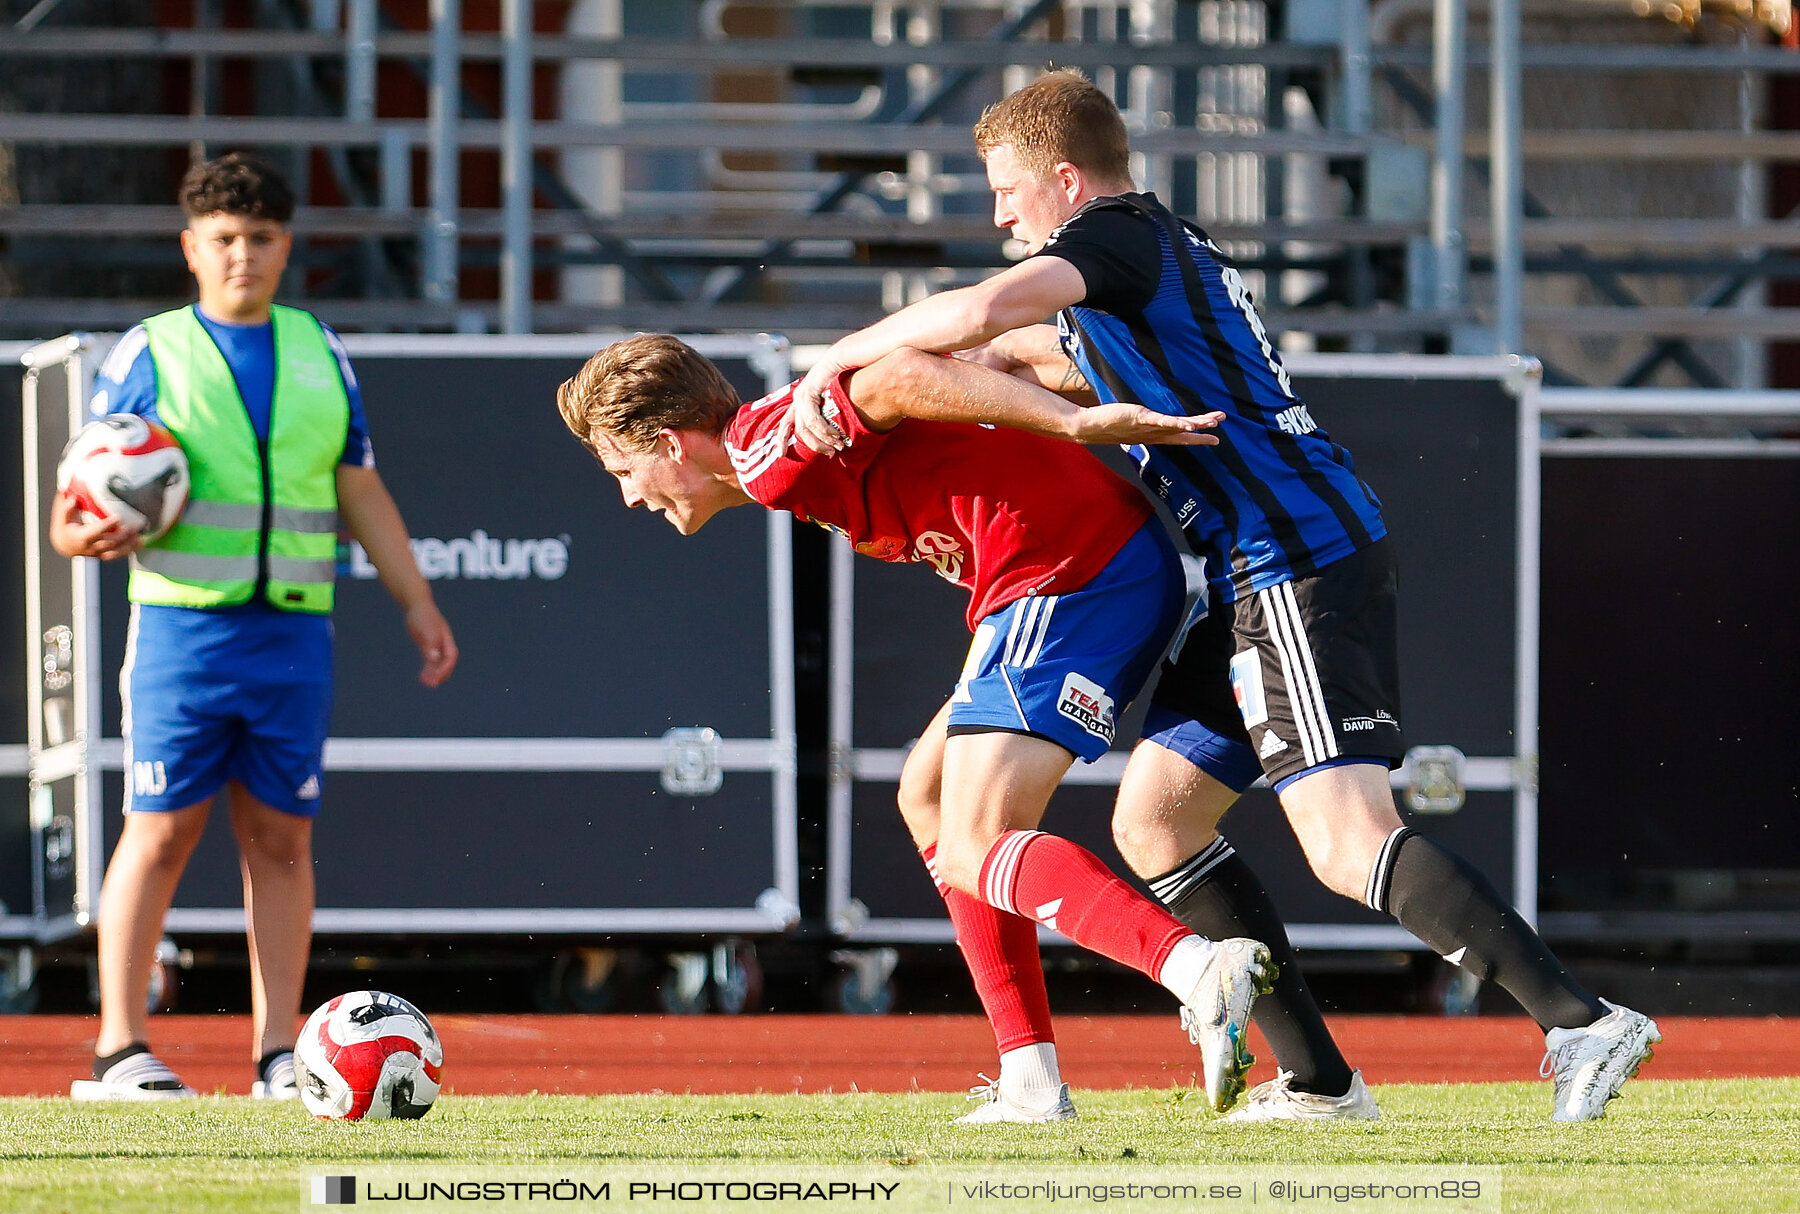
{"x": 74, "y": 534}
{"x": 813, "y": 425}
{"x": 430, "y": 631}
{"x": 1123, "y": 422}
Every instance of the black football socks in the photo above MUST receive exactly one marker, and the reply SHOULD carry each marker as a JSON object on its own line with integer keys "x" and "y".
{"x": 1216, "y": 893}
{"x": 105, "y": 1062}
{"x": 1446, "y": 902}
{"x": 269, "y": 1059}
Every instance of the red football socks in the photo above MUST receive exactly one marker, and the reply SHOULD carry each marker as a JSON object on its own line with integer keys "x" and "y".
{"x": 1065, "y": 887}
{"x": 1001, "y": 951}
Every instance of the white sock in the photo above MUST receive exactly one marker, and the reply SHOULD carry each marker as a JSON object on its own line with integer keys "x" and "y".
{"x": 1182, "y": 968}
{"x": 1029, "y": 1074}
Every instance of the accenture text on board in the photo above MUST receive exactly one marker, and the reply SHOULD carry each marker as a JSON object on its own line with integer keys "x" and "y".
{"x": 479, "y": 557}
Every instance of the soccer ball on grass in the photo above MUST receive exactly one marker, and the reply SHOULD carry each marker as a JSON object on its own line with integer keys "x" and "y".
{"x": 368, "y": 1056}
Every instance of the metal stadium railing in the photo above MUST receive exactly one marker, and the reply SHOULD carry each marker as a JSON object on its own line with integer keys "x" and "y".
{"x": 806, "y": 165}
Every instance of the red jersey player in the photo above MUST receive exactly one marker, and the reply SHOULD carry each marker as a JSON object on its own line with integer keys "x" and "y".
{"x": 1075, "y": 590}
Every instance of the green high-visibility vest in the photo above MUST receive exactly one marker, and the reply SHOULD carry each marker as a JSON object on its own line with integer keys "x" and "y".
{"x": 258, "y": 511}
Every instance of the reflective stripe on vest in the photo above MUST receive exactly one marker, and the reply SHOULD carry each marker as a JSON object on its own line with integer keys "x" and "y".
{"x": 219, "y": 549}
{"x": 200, "y": 567}
{"x": 284, "y": 518}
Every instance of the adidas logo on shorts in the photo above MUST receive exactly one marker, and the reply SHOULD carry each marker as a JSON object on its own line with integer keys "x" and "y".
{"x": 1271, "y": 745}
{"x": 308, "y": 791}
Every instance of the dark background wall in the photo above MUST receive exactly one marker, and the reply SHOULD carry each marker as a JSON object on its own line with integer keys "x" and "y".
{"x": 1671, "y": 655}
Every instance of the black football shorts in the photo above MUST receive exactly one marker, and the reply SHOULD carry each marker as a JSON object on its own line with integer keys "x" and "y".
{"x": 1306, "y": 676}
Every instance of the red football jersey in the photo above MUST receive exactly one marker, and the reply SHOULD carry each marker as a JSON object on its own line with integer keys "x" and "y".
{"x": 1000, "y": 512}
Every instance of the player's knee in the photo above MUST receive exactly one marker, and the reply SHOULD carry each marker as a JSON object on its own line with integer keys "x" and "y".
{"x": 959, "y": 865}
{"x": 919, "y": 807}
{"x": 1133, "y": 837}
{"x": 284, "y": 853}
{"x": 1337, "y": 866}
{"x": 164, "y": 841}
{"x": 170, "y": 849}
{"x": 282, "y": 846}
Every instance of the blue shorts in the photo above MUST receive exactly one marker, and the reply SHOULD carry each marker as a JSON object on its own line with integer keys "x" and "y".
{"x": 1226, "y": 759}
{"x": 211, "y": 696}
{"x": 1064, "y": 666}
{"x": 1194, "y": 712}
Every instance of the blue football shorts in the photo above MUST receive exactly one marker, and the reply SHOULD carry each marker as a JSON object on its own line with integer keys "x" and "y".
{"x": 1065, "y": 666}
{"x": 233, "y": 699}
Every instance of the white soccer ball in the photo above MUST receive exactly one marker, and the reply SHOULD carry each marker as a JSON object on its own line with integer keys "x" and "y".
{"x": 368, "y": 1056}
{"x": 127, "y": 470}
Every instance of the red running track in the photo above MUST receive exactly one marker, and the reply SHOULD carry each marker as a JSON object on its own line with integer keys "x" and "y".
{"x": 494, "y": 1055}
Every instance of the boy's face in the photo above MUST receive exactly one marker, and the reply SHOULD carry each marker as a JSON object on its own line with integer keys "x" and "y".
{"x": 666, "y": 480}
{"x": 238, "y": 261}
{"x": 1030, "y": 206}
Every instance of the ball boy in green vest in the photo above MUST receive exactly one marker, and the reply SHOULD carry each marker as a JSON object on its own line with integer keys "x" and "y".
{"x": 227, "y": 674}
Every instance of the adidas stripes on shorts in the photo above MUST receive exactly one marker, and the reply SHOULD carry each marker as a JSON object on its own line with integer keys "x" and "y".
{"x": 1287, "y": 680}
{"x": 1063, "y": 667}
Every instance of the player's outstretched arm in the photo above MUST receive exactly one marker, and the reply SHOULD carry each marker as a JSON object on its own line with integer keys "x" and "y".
{"x": 909, "y": 383}
{"x": 1026, "y": 294}
{"x": 374, "y": 522}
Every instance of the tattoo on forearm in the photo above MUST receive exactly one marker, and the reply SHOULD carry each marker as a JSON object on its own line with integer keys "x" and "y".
{"x": 1073, "y": 380}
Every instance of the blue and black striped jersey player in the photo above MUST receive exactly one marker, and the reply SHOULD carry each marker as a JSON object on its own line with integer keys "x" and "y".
{"x": 227, "y": 681}
{"x": 1292, "y": 672}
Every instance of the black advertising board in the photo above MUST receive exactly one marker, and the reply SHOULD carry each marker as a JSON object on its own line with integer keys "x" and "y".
{"x": 15, "y": 817}
{"x": 615, "y": 750}
{"x": 1670, "y": 655}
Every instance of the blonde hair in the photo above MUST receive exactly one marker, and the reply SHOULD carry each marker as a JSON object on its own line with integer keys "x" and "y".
{"x": 636, "y": 388}
{"x": 1059, "y": 116}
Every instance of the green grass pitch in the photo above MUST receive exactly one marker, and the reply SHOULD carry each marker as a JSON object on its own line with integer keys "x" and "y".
{"x": 1715, "y": 1145}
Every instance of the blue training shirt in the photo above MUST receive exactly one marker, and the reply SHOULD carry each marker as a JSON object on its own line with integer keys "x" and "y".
{"x": 1167, "y": 323}
{"x": 253, "y": 635}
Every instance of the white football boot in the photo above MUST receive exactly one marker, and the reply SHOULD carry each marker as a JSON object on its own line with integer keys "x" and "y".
{"x": 278, "y": 1081}
{"x": 1588, "y": 1066}
{"x": 1277, "y": 1100}
{"x": 1217, "y": 1015}
{"x": 141, "y": 1076}
{"x": 997, "y": 1108}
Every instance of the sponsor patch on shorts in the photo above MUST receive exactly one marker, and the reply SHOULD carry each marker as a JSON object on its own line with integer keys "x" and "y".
{"x": 1086, "y": 703}
{"x": 1381, "y": 720}
{"x": 1247, "y": 688}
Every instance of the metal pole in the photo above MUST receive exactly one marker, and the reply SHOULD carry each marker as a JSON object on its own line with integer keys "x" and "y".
{"x": 359, "y": 106}
{"x": 1506, "y": 185}
{"x": 359, "y": 62}
{"x": 1752, "y": 206}
{"x": 445, "y": 109}
{"x": 515, "y": 167}
{"x": 200, "y": 82}
{"x": 1358, "y": 118}
{"x": 1353, "y": 44}
{"x": 593, "y": 90}
{"x": 1448, "y": 63}
{"x": 396, "y": 170}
